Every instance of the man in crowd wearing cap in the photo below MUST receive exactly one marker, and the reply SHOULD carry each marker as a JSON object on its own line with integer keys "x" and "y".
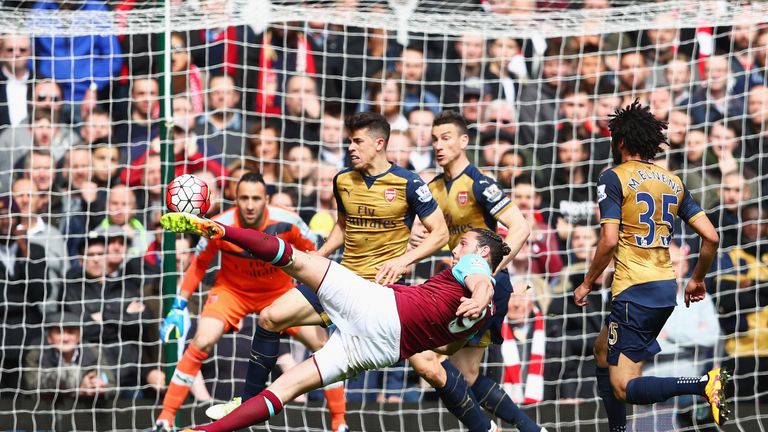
{"x": 22, "y": 291}
{"x": 66, "y": 369}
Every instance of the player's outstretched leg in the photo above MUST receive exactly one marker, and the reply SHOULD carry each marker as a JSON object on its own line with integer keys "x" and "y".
{"x": 648, "y": 390}
{"x": 493, "y": 398}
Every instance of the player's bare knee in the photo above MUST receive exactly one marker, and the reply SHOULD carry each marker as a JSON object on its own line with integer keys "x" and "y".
{"x": 269, "y": 321}
{"x": 204, "y": 343}
{"x": 435, "y": 376}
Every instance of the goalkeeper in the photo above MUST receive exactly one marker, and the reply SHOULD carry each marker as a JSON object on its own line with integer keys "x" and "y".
{"x": 243, "y": 285}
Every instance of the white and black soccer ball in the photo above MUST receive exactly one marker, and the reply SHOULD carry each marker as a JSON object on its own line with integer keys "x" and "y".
{"x": 188, "y": 194}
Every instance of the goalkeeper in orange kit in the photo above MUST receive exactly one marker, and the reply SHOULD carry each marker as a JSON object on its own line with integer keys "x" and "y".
{"x": 243, "y": 285}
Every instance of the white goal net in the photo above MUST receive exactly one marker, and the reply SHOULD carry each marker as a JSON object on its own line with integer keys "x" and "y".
{"x": 264, "y": 85}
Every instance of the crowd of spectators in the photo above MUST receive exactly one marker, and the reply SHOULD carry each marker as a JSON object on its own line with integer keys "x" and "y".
{"x": 81, "y": 187}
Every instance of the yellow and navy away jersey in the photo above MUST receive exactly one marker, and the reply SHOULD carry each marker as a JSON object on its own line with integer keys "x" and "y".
{"x": 644, "y": 199}
{"x": 379, "y": 212}
{"x": 469, "y": 201}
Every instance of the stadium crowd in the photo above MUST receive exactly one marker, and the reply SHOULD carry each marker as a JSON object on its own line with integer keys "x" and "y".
{"x": 81, "y": 187}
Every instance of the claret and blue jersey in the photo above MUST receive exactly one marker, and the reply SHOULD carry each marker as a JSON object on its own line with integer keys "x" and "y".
{"x": 644, "y": 199}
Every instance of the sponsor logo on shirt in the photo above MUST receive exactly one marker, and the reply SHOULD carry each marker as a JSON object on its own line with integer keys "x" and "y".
{"x": 424, "y": 193}
{"x": 493, "y": 193}
{"x": 462, "y": 198}
{"x": 390, "y": 195}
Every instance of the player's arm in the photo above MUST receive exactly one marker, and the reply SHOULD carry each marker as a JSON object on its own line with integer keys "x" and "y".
{"x": 606, "y": 246}
{"x": 435, "y": 224}
{"x": 694, "y": 216}
{"x": 482, "y": 295}
{"x": 518, "y": 232}
{"x": 609, "y": 197}
{"x": 335, "y": 239}
{"x": 173, "y": 324}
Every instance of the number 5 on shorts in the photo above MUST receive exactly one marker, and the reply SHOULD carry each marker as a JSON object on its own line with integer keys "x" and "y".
{"x": 613, "y": 335}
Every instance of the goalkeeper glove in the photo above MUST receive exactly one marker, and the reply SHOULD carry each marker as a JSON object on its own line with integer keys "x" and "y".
{"x": 174, "y": 321}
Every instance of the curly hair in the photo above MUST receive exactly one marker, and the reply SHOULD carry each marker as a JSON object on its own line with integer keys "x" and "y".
{"x": 499, "y": 249}
{"x": 641, "y": 133}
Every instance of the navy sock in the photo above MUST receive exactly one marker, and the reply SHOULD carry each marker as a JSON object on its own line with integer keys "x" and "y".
{"x": 648, "y": 390}
{"x": 614, "y": 408}
{"x": 493, "y": 398}
{"x": 460, "y": 402}
{"x": 264, "y": 347}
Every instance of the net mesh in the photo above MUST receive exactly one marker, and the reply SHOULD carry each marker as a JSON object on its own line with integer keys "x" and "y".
{"x": 79, "y": 113}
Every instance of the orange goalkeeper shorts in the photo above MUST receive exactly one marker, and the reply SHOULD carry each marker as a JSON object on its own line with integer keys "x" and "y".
{"x": 231, "y": 306}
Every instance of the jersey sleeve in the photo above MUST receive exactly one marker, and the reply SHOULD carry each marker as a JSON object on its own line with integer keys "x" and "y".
{"x": 420, "y": 197}
{"x": 609, "y": 197}
{"x": 469, "y": 265}
{"x": 689, "y": 210}
{"x": 490, "y": 196}
{"x": 339, "y": 204}
{"x": 205, "y": 253}
{"x": 303, "y": 238}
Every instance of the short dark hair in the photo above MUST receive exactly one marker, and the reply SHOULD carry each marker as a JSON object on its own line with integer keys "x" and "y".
{"x": 641, "y": 133}
{"x": 251, "y": 177}
{"x": 451, "y": 117}
{"x": 376, "y": 124}
{"x": 499, "y": 249}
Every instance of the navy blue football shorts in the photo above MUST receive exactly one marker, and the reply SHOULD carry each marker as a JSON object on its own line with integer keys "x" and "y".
{"x": 490, "y": 332}
{"x": 632, "y": 331}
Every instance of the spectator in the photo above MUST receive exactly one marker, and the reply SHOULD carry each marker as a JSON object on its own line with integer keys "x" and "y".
{"x": 39, "y": 168}
{"x": 575, "y": 108}
{"x": 325, "y": 216}
{"x": 77, "y": 62}
{"x": 538, "y": 104}
{"x": 694, "y": 169}
{"x": 544, "y": 257}
{"x": 105, "y": 164}
{"x": 499, "y": 117}
{"x": 742, "y": 302}
{"x": 109, "y": 303}
{"x": 301, "y": 114}
{"x": 399, "y": 149}
{"x": 571, "y": 333}
{"x": 17, "y": 74}
{"x": 384, "y": 97}
{"x": 222, "y": 128}
{"x": 301, "y": 167}
{"x": 44, "y": 132}
{"x": 121, "y": 212}
{"x": 134, "y": 135}
{"x": 725, "y": 146}
{"x": 678, "y": 77}
{"x": 265, "y": 153}
{"x": 187, "y": 81}
{"x": 23, "y": 293}
{"x": 755, "y": 130}
{"x": 714, "y": 99}
{"x": 605, "y": 104}
{"x": 634, "y": 76}
{"x": 679, "y": 124}
{"x": 591, "y": 69}
{"x": 473, "y": 104}
{"x": 469, "y": 51}
{"x": 26, "y": 197}
{"x": 420, "y": 130}
{"x": 512, "y": 165}
{"x": 68, "y": 371}
{"x": 493, "y": 145}
{"x": 79, "y": 199}
{"x": 332, "y": 136}
{"x": 660, "y": 101}
{"x": 96, "y": 127}
{"x": 411, "y": 66}
{"x": 734, "y": 193}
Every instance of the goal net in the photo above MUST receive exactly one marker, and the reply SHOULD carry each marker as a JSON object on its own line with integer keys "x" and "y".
{"x": 265, "y": 85}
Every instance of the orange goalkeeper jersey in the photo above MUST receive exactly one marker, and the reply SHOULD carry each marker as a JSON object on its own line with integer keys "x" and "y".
{"x": 240, "y": 272}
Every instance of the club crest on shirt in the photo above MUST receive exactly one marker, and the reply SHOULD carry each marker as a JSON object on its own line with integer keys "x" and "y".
{"x": 462, "y": 197}
{"x": 390, "y": 194}
{"x": 212, "y": 298}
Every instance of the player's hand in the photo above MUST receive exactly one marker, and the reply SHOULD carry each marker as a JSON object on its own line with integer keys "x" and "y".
{"x": 418, "y": 233}
{"x": 174, "y": 321}
{"x": 580, "y": 294}
{"x": 694, "y": 291}
{"x": 390, "y": 271}
{"x": 470, "y": 308}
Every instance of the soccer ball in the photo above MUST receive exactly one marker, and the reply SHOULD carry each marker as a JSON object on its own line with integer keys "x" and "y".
{"x": 188, "y": 194}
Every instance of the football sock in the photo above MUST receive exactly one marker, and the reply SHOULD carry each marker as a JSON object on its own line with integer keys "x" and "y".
{"x": 460, "y": 401}
{"x": 264, "y": 348}
{"x": 614, "y": 408}
{"x": 182, "y": 380}
{"x": 493, "y": 398}
{"x": 337, "y": 405}
{"x": 257, "y": 409}
{"x": 263, "y": 246}
{"x": 648, "y": 390}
